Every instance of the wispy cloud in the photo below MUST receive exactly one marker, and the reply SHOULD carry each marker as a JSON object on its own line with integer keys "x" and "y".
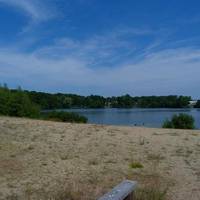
{"x": 139, "y": 61}
{"x": 167, "y": 71}
{"x": 107, "y": 49}
{"x": 35, "y": 9}
{"x": 115, "y": 62}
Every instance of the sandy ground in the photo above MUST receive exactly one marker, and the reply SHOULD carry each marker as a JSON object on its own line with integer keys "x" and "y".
{"x": 50, "y": 160}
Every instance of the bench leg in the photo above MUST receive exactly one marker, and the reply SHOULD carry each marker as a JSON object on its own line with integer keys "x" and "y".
{"x": 129, "y": 197}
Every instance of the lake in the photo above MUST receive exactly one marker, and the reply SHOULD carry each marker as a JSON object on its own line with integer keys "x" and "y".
{"x": 135, "y": 116}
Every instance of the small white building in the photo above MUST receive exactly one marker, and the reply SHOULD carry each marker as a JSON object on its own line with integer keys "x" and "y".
{"x": 193, "y": 102}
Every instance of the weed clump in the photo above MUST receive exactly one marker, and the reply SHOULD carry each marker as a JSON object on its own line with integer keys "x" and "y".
{"x": 135, "y": 165}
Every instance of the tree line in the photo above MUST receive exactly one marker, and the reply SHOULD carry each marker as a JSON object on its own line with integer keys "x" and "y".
{"x": 19, "y": 104}
{"x": 48, "y": 101}
{"x": 197, "y": 104}
{"x": 52, "y": 101}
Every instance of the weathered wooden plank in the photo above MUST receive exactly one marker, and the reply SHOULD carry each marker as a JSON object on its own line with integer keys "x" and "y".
{"x": 123, "y": 191}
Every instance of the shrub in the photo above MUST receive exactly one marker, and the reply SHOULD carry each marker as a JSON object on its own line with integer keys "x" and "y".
{"x": 64, "y": 117}
{"x": 135, "y": 165}
{"x": 17, "y": 104}
{"x": 20, "y": 105}
{"x": 181, "y": 121}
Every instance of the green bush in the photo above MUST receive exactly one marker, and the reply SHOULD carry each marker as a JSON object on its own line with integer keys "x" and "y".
{"x": 17, "y": 104}
{"x": 64, "y": 117}
{"x": 20, "y": 105}
{"x": 181, "y": 121}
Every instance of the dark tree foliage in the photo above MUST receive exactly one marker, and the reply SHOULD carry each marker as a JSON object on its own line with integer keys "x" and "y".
{"x": 197, "y": 104}
{"x": 181, "y": 121}
{"x": 17, "y": 104}
{"x": 21, "y": 103}
{"x": 94, "y": 101}
{"x": 4, "y": 99}
{"x": 162, "y": 101}
{"x": 56, "y": 101}
{"x": 48, "y": 101}
{"x": 53, "y": 101}
{"x": 125, "y": 101}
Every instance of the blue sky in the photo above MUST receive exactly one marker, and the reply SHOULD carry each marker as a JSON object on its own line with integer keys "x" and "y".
{"x": 105, "y": 47}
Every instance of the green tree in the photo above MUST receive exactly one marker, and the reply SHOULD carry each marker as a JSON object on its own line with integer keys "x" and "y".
{"x": 4, "y": 99}
{"x": 197, "y": 104}
{"x": 19, "y": 105}
{"x": 94, "y": 101}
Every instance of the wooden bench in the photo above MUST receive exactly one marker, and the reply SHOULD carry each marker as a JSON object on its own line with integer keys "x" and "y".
{"x": 123, "y": 191}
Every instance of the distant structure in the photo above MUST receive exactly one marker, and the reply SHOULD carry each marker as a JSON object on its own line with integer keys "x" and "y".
{"x": 193, "y": 103}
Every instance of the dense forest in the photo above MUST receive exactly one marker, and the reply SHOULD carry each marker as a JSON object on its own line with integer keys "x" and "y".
{"x": 35, "y": 100}
{"x": 197, "y": 104}
{"x": 53, "y": 101}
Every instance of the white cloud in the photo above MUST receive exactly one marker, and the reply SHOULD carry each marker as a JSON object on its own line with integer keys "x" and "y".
{"x": 174, "y": 71}
{"x": 103, "y": 64}
{"x": 85, "y": 67}
{"x": 36, "y": 10}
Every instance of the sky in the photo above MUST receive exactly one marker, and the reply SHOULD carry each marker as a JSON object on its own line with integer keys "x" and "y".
{"x": 103, "y": 47}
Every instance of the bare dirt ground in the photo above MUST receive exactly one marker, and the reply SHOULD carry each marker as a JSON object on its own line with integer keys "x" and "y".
{"x": 50, "y": 160}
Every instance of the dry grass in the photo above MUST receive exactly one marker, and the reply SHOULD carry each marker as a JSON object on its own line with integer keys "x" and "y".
{"x": 150, "y": 194}
{"x": 49, "y": 160}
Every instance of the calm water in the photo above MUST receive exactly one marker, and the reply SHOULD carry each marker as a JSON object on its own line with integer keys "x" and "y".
{"x": 131, "y": 117}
